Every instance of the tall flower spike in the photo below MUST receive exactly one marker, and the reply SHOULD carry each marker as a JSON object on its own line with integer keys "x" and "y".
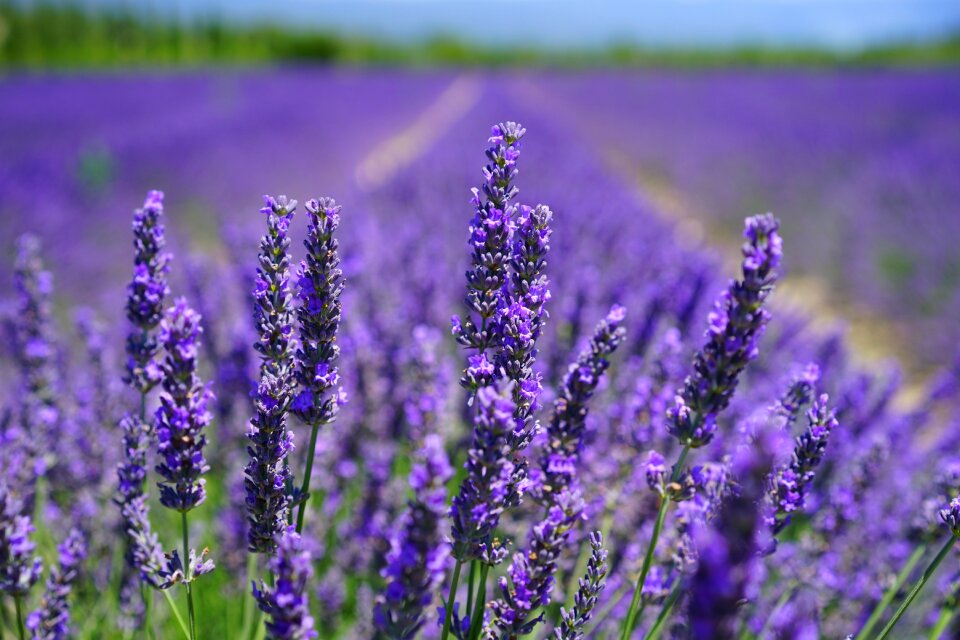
{"x": 273, "y": 313}
{"x": 320, "y": 286}
{"x": 19, "y": 569}
{"x": 728, "y": 549}
{"x": 491, "y": 231}
{"x": 565, "y": 433}
{"x": 51, "y": 620}
{"x": 320, "y": 281}
{"x": 530, "y": 580}
{"x": 266, "y": 475}
{"x": 736, "y": 324}
{"x": 146, "y": 293}
{"x": 183, "y": 413}
{"x": 286, "y": 603}
{"x": 486, "y": 490}
{"x": 790, "y": 483}
{"x": 144, "y": 552}
{"x": 417, "y": 559}
{"x": 35, "y": 437}
{"x": 572, "y": 622}
{"x": 522, "y": 321}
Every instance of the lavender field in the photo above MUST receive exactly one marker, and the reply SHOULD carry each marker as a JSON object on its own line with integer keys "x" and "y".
{"x": 615, "y": 425}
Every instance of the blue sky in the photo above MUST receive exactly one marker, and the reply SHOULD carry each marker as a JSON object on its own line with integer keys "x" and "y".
{"x": 585, "y": 23}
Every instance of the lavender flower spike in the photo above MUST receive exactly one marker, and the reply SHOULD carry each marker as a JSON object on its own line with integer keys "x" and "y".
{"x": 50, "y": 622}
{"x": 572, "y": 622}
{"x": 266, "y": 475}
{"x": 286, "y": 603}
{"x": 487, "y": 489}
{"x": 18, "y": 570}
{"x": 737, "y": 322}
{"x": 565, "y": 433}
{"x": 146, "y": 293}
{"x": 789, "y": 485}
{"x": 491, "y": 231}
{"x": 144, "y": 552}
{"x": 320, "y": 285}
{"x": 417, "y": 559}
{"x": 531, "y": 574}
{"x": 183, "y": 412}
{"x": 273, "y": 314}
{"x": 728, "y": 549}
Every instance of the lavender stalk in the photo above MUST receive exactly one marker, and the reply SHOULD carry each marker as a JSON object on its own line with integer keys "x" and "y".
{"x": 735, "y": 327}
{"x": 320, "y": 283}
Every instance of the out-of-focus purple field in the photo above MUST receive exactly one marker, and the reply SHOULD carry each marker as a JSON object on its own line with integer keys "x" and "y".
{"x": 862, "y": 167}
{"x": 776, "y": 522}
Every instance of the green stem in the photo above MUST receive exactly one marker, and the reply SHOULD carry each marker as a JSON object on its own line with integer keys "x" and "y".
{"x": 665, "y": 610}
{"x": 147, "y": 596}
{"x": 247, "y": 609}
{"x": 471, "y": 581}
{"x": 781, "y": 602}
{"x": 946, "y": 616}
{"x": 18, "y": 603}
{"x": 305, "y": 488}
{"x": 176, "y": 613}
{"x": 927, "y": 574}
{"x": 630, "y": 622}
{"x": 451, "y": 598}
{"x": 188, "y": 578}
{"x": 891, "y": 592}
{"x": 476, "y": 622}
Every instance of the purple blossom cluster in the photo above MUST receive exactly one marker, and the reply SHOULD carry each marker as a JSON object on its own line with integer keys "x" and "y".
{"x": 655, "y": 490}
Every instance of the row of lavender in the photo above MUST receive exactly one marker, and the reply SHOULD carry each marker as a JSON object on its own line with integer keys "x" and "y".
{"x": 861, "y": 166}
{"x": 587, "y": 494}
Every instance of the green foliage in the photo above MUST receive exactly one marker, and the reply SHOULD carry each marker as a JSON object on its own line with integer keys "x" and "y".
{"x": 58, "y": 35}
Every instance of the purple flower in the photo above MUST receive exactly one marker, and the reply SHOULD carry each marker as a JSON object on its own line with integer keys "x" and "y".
{"x": 273, "y": 314}
{"x": 146, "y": 293}
{"x": 19, "y": 568}
{"x": 286, "y": 603}
{"x": 951, "y": 516}
{"x": 50, "y": 621}
{"x": 735, "y": 325}
{"x": 529, "y": 581}
{"x": 568, "y": 422}
{"x": 183, "y": 413}
{"x": 266, "y": 474}
{"x": 486, "y": 491}
{"x": 572, "y": 622}
{"x": 144, "y": 552}
{"x": 416, "y": 562}
{"x": 320, "y": 281}
{"x": 789, "y": 485}
{"x": 728, "y": 549}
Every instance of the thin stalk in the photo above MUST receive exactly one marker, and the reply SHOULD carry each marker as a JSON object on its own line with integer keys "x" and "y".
{"x": 476, "y": 622}
{"x": 188, "y": 577}
{"x": 927, "y": 574}
{"x": 451, "y": 598}
{"x": 176, "y": 613}
{"x": 943, "y": 621}
{"x": 4, "y": 623}
{"x": 892, "y": 592}
{"x": 148, "y": 611}
{"x": 781, "y": 602}
{"x": 604, "y": 612}
{"x": 247, "y": 610}
{"x": 305, "y": 488}
{"x": 471, "y": 581}
{"x": 630, "y": 622}
{"x": 18, "y": 603}
{"x": 665, "y": 610}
